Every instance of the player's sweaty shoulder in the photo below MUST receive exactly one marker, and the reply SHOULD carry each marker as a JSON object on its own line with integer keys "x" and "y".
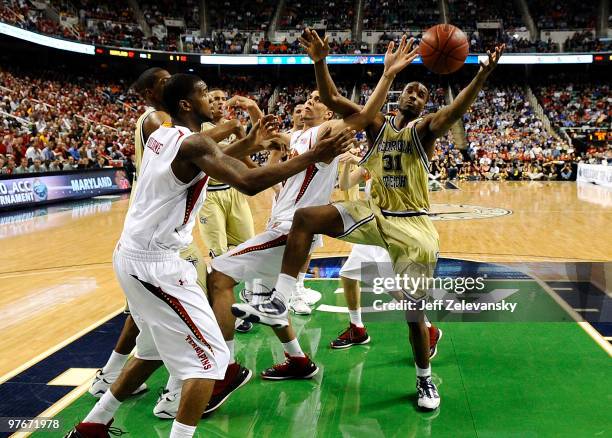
{"x": 197, "y": 145}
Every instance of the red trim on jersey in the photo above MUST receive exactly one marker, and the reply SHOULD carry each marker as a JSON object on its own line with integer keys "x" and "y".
{"x": 178, "y": 308}
{"x": 193, "y": 193}
{"x": 279, "y": 241}
{"x": 311, "y": 171}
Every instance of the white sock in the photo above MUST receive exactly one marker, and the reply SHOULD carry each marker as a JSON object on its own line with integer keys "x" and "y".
{"x": 115, "y": 363}
{"x": 248, "y": 286}
{"x": 427, "y": 323}
{"x": 355, "y": 316}
{"x": 292, "y": 348}
{"x": 180, "y": 430}
{"x": 284, "y": 286}
{"x": 104, "y": 410}
{"x": 423, "y": 372}
{"x": 230, "y": 346}
{"x": 300, "y": 279}
{"x": 174, "y": 384}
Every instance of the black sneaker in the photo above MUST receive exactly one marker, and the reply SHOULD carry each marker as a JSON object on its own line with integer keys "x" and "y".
{"x": 243, "y": 326}
{"x": 235, "y": 376}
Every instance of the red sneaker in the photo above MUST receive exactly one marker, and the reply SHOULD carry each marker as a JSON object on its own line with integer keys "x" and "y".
{"x": 435, "y": 334}
{"x": 353, "y": 335}
{"x": 292, "y": 368}
{"x": 94, "y": 430}
{"x": 235, "y": 376}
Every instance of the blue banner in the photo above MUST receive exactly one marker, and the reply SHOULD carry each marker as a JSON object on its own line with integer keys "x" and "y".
{"x": 35, "y": 189}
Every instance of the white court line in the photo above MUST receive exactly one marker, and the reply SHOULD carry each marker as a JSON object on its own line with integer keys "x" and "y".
{"x": 563, "y": 288}
{"x": 59, "y": 346}
{"x": 608, "y": 338}
{"x": 577, "y": 309}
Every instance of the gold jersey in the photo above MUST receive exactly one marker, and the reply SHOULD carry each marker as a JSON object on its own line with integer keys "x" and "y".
{"x": 139, "y": 140}
{"x": 213, "y": 182}
{"x": 399, "y": 169}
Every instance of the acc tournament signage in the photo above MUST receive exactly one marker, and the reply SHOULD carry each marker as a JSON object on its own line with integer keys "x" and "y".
{"x": 595, "y": 173}
{"x": 33, "y": 189}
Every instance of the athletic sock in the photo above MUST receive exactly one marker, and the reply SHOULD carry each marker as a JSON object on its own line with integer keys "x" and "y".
{"x": 230, "y": 346}
{"x": 249, "y": 286}
{"x": 284, "y": 286}
{"x": 174, "y": 384}
{"x": 104, "y": 410}
{"x": 355, "y": 316}
{"x": 427, "y": 323}
{"x": 423, "y": 372}
{"x": 300, "y": 279}
{"x": 180, "y": 430}
{"x": 115, "y": 363}
{"x": 292, "y": 348}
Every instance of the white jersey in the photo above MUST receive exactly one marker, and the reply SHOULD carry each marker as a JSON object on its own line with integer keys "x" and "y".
{"x": 161, "y": 216}
{"x": 312, "y": 186}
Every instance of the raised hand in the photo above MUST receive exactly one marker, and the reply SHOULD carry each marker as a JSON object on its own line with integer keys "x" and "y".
{"x": 486, "y": 67}
{"x": 240, "y": 101}
{"x": 316, "y": 47}
{"x": 396, "y": 61}
{"x": 330, "y": 146}
{"x": 349, "y": 158}
{"x": 264, "y": 129}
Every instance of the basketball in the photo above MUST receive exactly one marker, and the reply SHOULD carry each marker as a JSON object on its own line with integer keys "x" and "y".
{"x": 444, "y": 48}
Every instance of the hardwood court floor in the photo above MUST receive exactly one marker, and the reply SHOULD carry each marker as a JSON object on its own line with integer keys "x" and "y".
{"x": 57, "y": 278}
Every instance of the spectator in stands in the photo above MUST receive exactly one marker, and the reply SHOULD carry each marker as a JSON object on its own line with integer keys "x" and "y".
{"x": 23, "y": 166}
{"x": 567, "y": 173}
{"x": 37, "y": 167}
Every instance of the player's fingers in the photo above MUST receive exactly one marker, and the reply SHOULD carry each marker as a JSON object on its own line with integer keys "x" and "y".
{"x": 304, "y": 42}
{"x": 390, "y": 47}
{"x": 409, "y": 45}
{"x": 325, "y": 134}
{"x": 326, "y": 41}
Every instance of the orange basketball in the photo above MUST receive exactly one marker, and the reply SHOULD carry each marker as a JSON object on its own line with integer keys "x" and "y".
{"x": 444, "y": 48}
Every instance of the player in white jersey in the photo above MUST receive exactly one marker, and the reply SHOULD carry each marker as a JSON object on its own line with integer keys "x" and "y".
{"x": 177, "y": 325}
{"x": 259, "y": 259}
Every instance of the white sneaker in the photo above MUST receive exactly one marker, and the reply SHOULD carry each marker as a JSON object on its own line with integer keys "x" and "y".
{"x": 310, "y": 296}
{"x": 103, "y": 381}
{"x": 272, "y": 312}
{"x": 167, "y": 404}
{"x": 298, "y": 305}
{"x": 429, "y": 399}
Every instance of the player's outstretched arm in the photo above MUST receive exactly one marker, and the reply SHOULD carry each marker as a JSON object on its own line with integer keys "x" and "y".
{"x": 348, "y": 178}
{"x": 264, "y": 129}
{"x": 247, "y": 104}
{"x": 225, "y": 129}
{"x": 317, "y": 50}
{"x": 439, "y": 123}
{"x": 199, "y": 152}
{"x": 395, "y": 62}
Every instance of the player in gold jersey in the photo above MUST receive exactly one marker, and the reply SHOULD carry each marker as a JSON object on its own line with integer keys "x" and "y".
{"x": 396, "y": 216}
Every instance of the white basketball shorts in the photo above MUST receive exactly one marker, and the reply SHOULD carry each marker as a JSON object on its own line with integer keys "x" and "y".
{"x": 176, "y": 322}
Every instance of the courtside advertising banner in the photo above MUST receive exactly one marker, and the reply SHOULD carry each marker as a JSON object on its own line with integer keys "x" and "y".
{"x": 34, "y": 189}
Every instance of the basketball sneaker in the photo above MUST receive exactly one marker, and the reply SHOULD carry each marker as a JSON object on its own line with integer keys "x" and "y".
{"x": 353, "y": 335}
{"x": 271, "y": 311}
{"x": 235, "y": 377}
{"x": 103, "y": 381}
{"x": 429, "y": 399}
{"x": 167, "y": 404}
{"x": 242, "y": 326}
{"x": 299, "y": 306}
{"x": 310, "y": 296}
{"x": 94, "y": 430}
{"x": 292, "y": 368}
{"x": 435, "y": 334}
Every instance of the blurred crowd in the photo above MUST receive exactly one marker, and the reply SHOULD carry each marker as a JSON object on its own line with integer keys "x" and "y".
{"x": 112, "y": 22}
